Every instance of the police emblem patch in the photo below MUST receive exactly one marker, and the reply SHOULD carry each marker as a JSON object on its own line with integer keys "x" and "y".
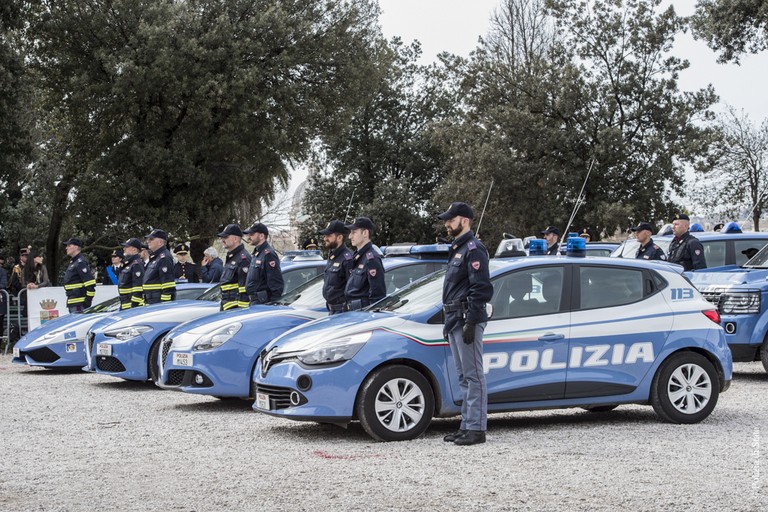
{"x": 272, "y": 264}
{"x": 138, "y": 274}
{"x": 372, "y": 272}
{"x": 476, "y": 265}
{"x": 84, "y": 269}
{"x": 245, "y": 270}
{"x": 165, "y": 269}
{"x": 698, "y": 252}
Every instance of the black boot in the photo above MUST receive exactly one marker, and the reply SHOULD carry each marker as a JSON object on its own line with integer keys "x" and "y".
{"x": 471, "y": 437}
{"x": 452, "y": 437}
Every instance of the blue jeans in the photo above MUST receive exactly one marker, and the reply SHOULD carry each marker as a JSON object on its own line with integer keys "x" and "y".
{"x": 469, "y": 368}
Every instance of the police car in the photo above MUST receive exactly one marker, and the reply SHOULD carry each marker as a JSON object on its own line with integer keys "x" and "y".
{"x": 564, "y": 332}
{"x": 741, "y": 296}
{"x": 719, "y": 248}
{"x": 216, "y": 355}
{"x": 59, "y": 343}
{"x": 126, "y": 344}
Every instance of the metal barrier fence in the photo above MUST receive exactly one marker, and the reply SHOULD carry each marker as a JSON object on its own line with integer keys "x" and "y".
{"x": 6, "y": 333}
{"x": 14, "y": 312}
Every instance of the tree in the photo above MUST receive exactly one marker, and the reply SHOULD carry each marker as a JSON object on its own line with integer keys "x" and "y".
{"x": 732, "y": 27}
{"x": 184, "y": 114}
{"x": 383, "y": 164}
{"x": 735, "y": 179}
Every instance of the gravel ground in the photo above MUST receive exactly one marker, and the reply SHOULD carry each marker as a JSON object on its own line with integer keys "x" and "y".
{"x": 76, "y": 441}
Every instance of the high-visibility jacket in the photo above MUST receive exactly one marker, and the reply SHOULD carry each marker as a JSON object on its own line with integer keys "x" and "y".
{"x": 233, "y": 294}
{"x": 159, "y": 284}
{"x": 79, "y": 283}
{"x": 130, "y": 282}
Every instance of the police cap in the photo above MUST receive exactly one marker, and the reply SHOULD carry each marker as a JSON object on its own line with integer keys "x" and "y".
{"x": 681, "y": 216}
{"x": 643, "y": 226}
{"x": 361, "y": 223}
{"x": 335, "y": 226}
{"x": 181, "y": 249}
{"x": 257, "y": 227}
{"x": 457, "y": 209}
{"x": 133, "y": 242}
{"x": 117, "y": 253}
{"x": 309, "y": 244}
{"x": 231, "y": 229}
{"x": 718, "y": 227}
{"x": 158, "y": 233}
{"x": 25, "y": 250}
{"x": 71, "y": 241}
{"x": 551, "y": 229}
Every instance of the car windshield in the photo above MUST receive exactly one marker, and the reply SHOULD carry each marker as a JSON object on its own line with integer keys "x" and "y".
{"x": 629, "y": 248}
{"x": 212, "y": 294}
{"x": 759, "y": 260}
{"x": 307, "y": 296}
{"x": 421, "y": 295}
{"x": 107, "y": 306}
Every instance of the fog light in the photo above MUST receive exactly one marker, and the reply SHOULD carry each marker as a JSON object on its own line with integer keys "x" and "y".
{"x": 730, "y": 327}
{"x": 295, "y": 398}
{"x": 199, "y": 379}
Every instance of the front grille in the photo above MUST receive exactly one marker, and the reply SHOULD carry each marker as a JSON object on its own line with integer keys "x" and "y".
{"x": 713, "y": 297}
{"x": 279, "y": 397}
{"x": 43, "y": 355}
{"x": 175, "y": 377}
{"x": 89, "y": 338}
{"x": 167, "y": 342}
{"x": 109, "y": 364}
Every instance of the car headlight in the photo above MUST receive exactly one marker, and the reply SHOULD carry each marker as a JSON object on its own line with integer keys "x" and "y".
{"x": 740, "y": 303}
{"x": 218, "y": 337}
{"x": 128, "y": 332}
{"x": 335, "y": 350}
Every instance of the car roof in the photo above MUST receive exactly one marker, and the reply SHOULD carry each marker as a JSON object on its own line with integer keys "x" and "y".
{"x": 501, "y": 265}
{"x": 712, "y": 235}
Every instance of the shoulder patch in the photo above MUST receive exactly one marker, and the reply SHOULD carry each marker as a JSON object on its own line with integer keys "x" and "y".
{"x": 347, "y": 255}
{"x": 656, "y": 247}
{"x": 471, "y": 245}
{"x": 162, "y": 255}
{"x": 266, "y": 251}
{"x": 369, "y": 255}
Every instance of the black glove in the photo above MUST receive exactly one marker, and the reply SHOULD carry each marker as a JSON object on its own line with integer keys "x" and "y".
{"x": 468, "y": 333}
{"x": 445, "y": 331}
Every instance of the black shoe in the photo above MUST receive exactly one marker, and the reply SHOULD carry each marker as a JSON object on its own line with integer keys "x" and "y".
{"x": 471, "y": 437}
{"x": 452, "y": 437}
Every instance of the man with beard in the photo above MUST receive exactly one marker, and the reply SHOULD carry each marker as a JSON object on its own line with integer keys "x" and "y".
{"x": 466, "y": 290}
{"x": 366, "y": 282}
{"x": 338, "y": 267}
{"x": 265, "y": 278}
{"x": 233, "y": 294}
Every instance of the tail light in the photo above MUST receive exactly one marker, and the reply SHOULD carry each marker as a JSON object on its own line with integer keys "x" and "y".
{"x": 713, "y": 315}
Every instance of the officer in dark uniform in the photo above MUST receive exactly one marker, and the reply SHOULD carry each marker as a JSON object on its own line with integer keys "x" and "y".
{"x": 183, "y": 271}
{"x": 338, "y": 267}
{"x": 233, "y": 293}
{"x": 586, "y": 234}
{"x": 265, "y": 278}
{"x": 79, "y": 283}
{"x": 552, "y": 235}
{"x": 16, "y": 282}
{"x": 685, "y": 249}
{"x": 310, "y": 244}
{"x": 159, "y": 284}
{"x": 466, "y": 290}
{"x": 365, "y": 284}
{"x": 130, "y": 281}
{"x": 648, "y": 250}
{"x": 111, "y": 272}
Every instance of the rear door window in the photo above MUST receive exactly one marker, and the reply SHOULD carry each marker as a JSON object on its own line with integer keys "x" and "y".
{"x": 603, "y": 287}
{"x": 751, "y": 246}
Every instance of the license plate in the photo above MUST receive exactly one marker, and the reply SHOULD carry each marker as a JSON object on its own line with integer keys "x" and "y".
{"x": 182, "y": 359}
{"x": 262, "y": 401}
{"x": 16, "y": 352}
{"x": 103, "y": 349}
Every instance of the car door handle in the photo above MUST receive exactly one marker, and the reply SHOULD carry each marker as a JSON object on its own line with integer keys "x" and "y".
{"x": 551, "y": 336}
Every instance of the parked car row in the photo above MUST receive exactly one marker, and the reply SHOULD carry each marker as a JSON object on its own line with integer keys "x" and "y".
{"x": 564, "y": 332}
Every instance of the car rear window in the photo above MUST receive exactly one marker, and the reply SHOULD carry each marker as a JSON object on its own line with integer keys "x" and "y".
{"x": 606, "y": 287}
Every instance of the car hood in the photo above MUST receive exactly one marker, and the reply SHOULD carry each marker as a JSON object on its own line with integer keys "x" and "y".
{"x": 210, "y": 323}
{"x": 313, "y": 333}
{"x": 727, "y": 277}
{"x": 68, "y": 327}
{"x": 174, "y": 312}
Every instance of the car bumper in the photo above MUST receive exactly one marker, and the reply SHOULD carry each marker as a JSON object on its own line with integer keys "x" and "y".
{"x": 69, "y": 354}
{"x": 125, "y": 359}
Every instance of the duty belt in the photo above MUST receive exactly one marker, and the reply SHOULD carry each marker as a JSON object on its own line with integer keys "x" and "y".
{"x": 335, "y": 308}
{"x": 455, "y": 306}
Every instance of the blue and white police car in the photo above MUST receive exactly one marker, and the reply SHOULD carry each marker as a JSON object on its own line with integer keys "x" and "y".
{"x": 216, "y": 355}
{"x": 565, "y": 332}
{"x": 60, "y": 343}
{"x": 126, "y": 344}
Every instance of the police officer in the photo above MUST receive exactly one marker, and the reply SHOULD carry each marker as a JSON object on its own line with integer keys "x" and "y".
{"x": 79, "y": 283}
{"x": 265, "y": 278}
{"x": 183, "y": 271}
{"x": 552, "y": 235}
{"x": 338, "y": 266}
{"x": 466, "y": 290}
{"x": 310, "y": 244}
{"x": 17, "y": 283}
{"x": 130, "y": 280}
{"x": 586, "y": 234}
{"x": 159, "y": 284}
{"x": 685, "y": 249}
{"x": 112, "y": 271}
{"x": 235, "y": 274}
{"x": 365, "y": 284}
{"x": 648, "y": 250}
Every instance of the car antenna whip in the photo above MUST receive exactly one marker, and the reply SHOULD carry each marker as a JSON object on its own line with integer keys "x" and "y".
{"x": 346, "y": 215}
{"x": 484, "y": 206}
{"x": 581, "y": 199}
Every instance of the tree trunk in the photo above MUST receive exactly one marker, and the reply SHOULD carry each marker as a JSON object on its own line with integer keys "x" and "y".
{"x": 58, "y": 212}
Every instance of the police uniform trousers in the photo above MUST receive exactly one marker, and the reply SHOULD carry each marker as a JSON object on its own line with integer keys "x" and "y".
{"x": 469, "y": 367}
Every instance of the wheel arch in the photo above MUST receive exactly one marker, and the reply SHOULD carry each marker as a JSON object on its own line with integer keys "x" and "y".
{"x": 707, "y": 354}
{"x": 419, "y": 367}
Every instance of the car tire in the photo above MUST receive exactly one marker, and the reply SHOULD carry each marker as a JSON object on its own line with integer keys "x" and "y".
{"x": 764, "y": 354}
{"x": 685, "y": 389}
{"x": 381, "y": 409}
{"x": 600, "y": 408}
{"x": 153, "y": 367}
